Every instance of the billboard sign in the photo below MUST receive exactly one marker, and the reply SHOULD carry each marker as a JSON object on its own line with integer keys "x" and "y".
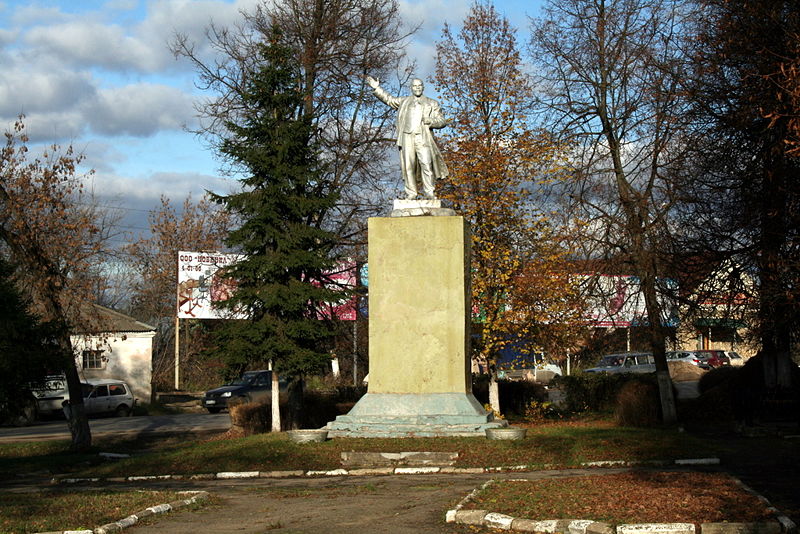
{"x": 342, "y": 278}
{"x": 199, "y": 285}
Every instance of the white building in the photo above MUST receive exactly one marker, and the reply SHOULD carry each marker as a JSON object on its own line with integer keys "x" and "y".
{"x": 115, "y": 345}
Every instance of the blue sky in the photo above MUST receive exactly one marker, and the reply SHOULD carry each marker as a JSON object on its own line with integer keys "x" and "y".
{"x": 99, "y": 75}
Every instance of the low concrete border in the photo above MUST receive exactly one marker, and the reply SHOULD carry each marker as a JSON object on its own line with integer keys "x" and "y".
{"x": 370, "y": 471}
{"x": 485, "y": 518}
{"x": 132, "y": 519}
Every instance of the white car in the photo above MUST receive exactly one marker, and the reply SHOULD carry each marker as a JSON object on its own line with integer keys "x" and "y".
{"x": 107, "y": 395}
{"x": 100, "y": 396}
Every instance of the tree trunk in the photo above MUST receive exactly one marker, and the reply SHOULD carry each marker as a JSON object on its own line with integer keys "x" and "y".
{"x": 666, "y": 393}
{"x": 77, "y": 420}
{"x": 775, "y": 308}
{"x": 494, "y": 390}
{"x": 276, "y": 402}
{"x": 294, "y": 406}
{"x": 636, "y": 216}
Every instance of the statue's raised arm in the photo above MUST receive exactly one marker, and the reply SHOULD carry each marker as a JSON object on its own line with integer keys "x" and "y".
{"x": 420, "y": 158}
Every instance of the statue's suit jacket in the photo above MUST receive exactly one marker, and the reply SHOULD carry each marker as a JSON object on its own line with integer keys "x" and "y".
{"x": 430, "y": 109}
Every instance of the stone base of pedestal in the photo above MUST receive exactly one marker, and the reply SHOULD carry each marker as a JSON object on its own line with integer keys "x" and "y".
{"x": 392, "y": 415}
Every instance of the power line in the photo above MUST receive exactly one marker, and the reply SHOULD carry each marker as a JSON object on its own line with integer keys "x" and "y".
{"x": 90, "y": 204}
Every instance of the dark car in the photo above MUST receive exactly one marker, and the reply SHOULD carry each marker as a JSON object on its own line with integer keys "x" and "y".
{"x": 712, "y": 358}
{"x": 251, "y": 386}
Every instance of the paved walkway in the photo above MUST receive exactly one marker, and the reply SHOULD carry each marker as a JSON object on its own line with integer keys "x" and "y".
{"x": 339, "y": 505}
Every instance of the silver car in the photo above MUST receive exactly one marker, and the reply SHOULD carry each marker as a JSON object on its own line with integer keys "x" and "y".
{"x": 107, "y": 395}
{"x": 688, "y": 356}
{"x": 625, "y": 362}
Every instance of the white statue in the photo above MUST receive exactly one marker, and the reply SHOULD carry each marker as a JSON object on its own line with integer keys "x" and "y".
{"x": 420, "y": 159}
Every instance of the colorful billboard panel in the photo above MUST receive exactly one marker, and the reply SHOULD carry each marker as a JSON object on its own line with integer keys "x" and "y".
{"x": 199, "y": 285}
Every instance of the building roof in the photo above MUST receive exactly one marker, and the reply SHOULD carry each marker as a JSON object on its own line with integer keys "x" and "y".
{"x": 99, "y": 319}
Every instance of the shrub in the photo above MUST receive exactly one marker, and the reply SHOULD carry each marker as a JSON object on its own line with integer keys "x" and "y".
{"x": 349, "y": 393}
{"x": 638, "y": 404}
{"x": 539, "y": 411}
{"x": 596, "y": 392}
{"x": 319, "y": 408}
{"x": 515, "y": 395}
{"x": 250, "y": 417}
{"x": 589, "y": 391}
{"x": 716, "y": 377}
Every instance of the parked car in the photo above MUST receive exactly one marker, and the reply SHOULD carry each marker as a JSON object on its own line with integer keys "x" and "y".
{"x": 712, "y": 358}
{"x": 542, "y": 372}
{"x": 625, "y": 362}
{"x": 104, "y": 396}
{"x": 724, "y": 357}
{"x": 734, "y": 357}
{"x": 251, "y": 386}
{"x": 100, "y": 396}
{"x": 688, "y": 356}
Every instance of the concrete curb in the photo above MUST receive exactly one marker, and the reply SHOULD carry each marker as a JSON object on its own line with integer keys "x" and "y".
{"x": 484, "y": 518}
{"x": 132, "y": 519}
{"x": 367, "y": 471}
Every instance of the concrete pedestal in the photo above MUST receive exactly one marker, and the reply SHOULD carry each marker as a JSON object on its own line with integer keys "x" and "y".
{"x": 419, "y": 312}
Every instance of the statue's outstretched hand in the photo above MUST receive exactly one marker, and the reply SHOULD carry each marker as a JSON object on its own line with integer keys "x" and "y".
{"x": 373, "y": 82}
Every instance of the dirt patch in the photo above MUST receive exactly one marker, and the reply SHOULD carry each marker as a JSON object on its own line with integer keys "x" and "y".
{"x": 380, "y": 505}
{"x": 684, "y": 371}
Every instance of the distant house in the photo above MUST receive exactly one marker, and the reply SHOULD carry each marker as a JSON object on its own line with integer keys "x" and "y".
{"x": 110, "y": 344}
{"x": 705, "y": 302}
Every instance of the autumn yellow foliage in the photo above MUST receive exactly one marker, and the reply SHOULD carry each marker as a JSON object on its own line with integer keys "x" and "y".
{"x": 498, "y": 162}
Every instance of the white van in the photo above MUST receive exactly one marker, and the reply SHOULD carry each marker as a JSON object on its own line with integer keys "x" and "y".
{"x": 50, "y": 393}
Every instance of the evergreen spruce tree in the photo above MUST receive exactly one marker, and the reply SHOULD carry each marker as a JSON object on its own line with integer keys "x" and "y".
{"x": 26, "y": 353}
{"x": 280, "y": 208}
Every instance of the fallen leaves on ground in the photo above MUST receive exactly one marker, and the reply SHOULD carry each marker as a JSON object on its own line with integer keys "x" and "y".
{"x": 635, "y": 497}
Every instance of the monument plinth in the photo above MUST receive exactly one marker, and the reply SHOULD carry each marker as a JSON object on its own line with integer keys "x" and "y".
{"x": 419, "y": 313}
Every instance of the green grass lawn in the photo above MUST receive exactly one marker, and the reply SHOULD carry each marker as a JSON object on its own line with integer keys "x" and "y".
{"x": 562, "y": 445}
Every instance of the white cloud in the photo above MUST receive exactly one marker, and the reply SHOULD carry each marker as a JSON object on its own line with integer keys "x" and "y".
{"x": 34, "y": 14}
{"x": 139, "y": 110}
{"x": 8, "y": 36}
{"x": 166, "y": 18}
{"x": 88, "y": 43}
{"x": 96, "y": 40}
{"x": 145, "y": 192}
{"x": 101, "y": 156}
{"x": 47, "y": 127}
{"x": 134, "y": 198}
{"x": 42, "y": 90}
{"x": 431, "y": 15}
{"x": 105, "y": 70}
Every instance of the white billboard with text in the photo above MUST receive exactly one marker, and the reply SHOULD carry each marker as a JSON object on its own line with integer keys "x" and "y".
{"x": 199, "y": 285}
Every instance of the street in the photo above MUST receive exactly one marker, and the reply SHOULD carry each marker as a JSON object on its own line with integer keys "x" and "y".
{"x": 187, "y": 422}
